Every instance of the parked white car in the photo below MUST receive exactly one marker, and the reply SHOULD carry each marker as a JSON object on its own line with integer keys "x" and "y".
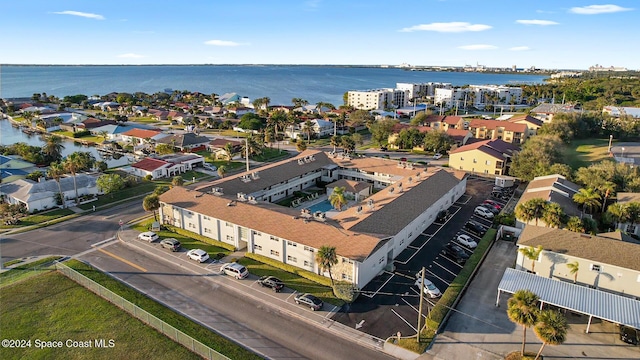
{"x": 467, "y": 241}
{"x": 198, "y": 255}
{"x": 429, "y": 289}
{"x": 149, "y": 236}
{"x": 437, "y": 156}
{"x": 484, "y": 212}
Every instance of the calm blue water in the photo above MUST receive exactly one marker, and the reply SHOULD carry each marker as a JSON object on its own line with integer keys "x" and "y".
{"x": 323, "y": 206}
{"x": 279, "y": 83}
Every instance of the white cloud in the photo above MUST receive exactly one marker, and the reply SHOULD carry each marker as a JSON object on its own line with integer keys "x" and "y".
{"x": 222, "y": 43}
{"x": 450, "y": 27}
{"x": 130, "y": 56}
{"x": 81, "y": 14}
{"x": 598, "y": 9}
{"x": 520, "y": 48}
{"x": 477, "y": 47}
{"x": 537, "y": 22}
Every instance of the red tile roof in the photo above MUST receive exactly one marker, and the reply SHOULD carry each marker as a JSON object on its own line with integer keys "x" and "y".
{"x": 150, "y": 164}
{"x": 141, "y": 133}
{"x": 493, "y": 124}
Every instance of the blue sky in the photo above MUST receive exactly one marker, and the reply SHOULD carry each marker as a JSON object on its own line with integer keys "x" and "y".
{"x": 543, "y": 33}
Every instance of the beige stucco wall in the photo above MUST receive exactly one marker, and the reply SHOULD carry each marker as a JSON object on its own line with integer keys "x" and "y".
{"x": 475, "y": 161}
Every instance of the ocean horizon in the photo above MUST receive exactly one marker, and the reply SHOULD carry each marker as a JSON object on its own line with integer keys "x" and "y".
{"x": 281, "y": 83}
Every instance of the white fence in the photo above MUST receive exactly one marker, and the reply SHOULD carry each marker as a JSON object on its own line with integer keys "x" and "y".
{"x": 149, "y": 319}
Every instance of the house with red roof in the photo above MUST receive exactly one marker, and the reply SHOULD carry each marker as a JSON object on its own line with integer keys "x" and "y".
{"x": 510, "y": 132}
{"x": 444, "y": 122}
{"x": 490, "y": 157}
{"x": 460, "y": 136}
{"x": 157, "y": 168}
{"x": 140, "y": 136}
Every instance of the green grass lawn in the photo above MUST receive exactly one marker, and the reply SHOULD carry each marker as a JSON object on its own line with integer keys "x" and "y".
{"x": 189, "y": 327}
{"x": 51, "y": 307}
{"x": 584, "y": 152}
{"x": 187, "y": 242}
{"x": 127, "y": 193}
{"x": 25, "y": 270}
{"x": 40, "y": 218}
{"x": 270, "y": 154}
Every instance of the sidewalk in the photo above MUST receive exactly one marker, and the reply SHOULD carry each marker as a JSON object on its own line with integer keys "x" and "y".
{"x": 249, "y": 288}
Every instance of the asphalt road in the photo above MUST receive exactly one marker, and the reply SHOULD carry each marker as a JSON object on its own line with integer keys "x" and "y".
{"x": 389, "y": 304}
{"x": 70, "y": 237}
{"x": 252, "y": 323}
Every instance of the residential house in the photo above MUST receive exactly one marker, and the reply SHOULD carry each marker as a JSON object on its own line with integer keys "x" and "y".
{"x": 157, "y": 168}
{"x": 603, "y": 263}
{"x": 12, "y": 167}
{"x": 546, "y": 111}
{"x": 445, "y": 122}
{"x": 217, "y": 145}
{"x": 141, "y": 136}
{"x": 37, "y": 196}
{"x": 86, "y": 125}
{"x": 242, "y": 210}
{"x": 321, "y": 128}
{"x": 620, "y": 111}
{"x": 553, "y": 188}
{"x": 502, "y": 130}
{"x": 186, "y": 141}
{"x": 490, "y": 157}
{"x": 532, "y": 123}
{"x": 626, "y": 198}
{"x": 460, "y": 136}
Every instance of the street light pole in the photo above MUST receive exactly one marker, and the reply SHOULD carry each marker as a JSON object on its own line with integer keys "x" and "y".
{"x": 421, "y": 301}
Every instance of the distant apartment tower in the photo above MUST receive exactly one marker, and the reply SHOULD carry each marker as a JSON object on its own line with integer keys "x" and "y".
{"x": 478, "y": 95}
{"x": 449, "y": 97}
{"x": 422, "y": 89}
{"x": 377, "y": 99}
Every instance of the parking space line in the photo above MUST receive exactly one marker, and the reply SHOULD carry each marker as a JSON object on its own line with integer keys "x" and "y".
{"x": 445, "y": 269}
{"x": 333, "y": 311}
{"x": 477, "y": 218}
{"x": 405, "y": 321}
{"x": 383, "y": 285}
{"x": 471, "y": 234}
{"x": 441, "y": 279}
{"x": 413, "y": 247}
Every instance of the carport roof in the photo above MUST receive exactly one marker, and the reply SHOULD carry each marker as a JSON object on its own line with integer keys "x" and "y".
{"x": 603, "y": 305}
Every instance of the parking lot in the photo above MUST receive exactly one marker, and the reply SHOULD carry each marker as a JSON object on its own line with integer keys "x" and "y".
{"x": 389, "y": 304}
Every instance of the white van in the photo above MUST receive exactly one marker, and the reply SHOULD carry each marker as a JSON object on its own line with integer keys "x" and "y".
{"x": 236, "y": 270}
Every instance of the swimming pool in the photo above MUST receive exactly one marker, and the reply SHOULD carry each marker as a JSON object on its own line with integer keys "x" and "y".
{"x": 322, "y": 206}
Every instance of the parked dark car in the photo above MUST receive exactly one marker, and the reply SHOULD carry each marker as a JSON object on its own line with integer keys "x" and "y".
{"x": 442, "y": 216}
{"x": 271, "y": 282}
{"x": 455, "y": 252}
{"x": 171, "y": 244}
{"x": 629, "y": 335}
{"x": 475, "y": 228}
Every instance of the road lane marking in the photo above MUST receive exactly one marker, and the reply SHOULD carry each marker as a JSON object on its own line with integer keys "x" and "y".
{"x": 123, "y": 260}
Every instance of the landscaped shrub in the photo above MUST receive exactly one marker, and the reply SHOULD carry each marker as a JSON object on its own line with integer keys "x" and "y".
{"x": 345, "y": 291}
{"x": 199, "y": 237}
{"x": 79, "y": 134}
{"x": 292, "y": 269}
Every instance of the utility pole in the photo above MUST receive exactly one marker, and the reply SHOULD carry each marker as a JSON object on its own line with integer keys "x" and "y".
{"x": 421, "y": 301}
{"x": 247, "y": 151}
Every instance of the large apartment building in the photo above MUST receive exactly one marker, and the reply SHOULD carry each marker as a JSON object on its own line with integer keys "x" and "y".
{"x": 510, "y": 132}
{"x": 396, "y": 202}
{"x": 378, "y": 99}
{"x": 422, "y": 89}
{"x": 478, "y": 96}
{"x": 490, "y": 157}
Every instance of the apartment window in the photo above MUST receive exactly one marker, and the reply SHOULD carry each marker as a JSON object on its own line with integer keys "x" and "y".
{"x": 257, "y": 233}
{"x": 346, "y": 277}
{"x": 207, "y": 230}
{"x": 290, "y": 243}
{"x": 488, "y": 162}
{"x": 401, "y": 241}
{"x": 486, "y": 171}
{"x": 257, "y": 247}
{"x": 307, "y": 263}
{"x": 274, "y": 238}
{"x": 410, "y": 235}
{"x": 275, "y": 252}
{"x": 228, "y": 224}
{"x": 461, "y": 158}
{"x": 206, "y": 218}
{"x": 381, "y": 260}
{"x": 631, "y": 228}
{"x": 596, "y": 268}
{"x": 497, "y": 172}
{"x": 475, "y": 161}
{"x": 229, "y": 238}
{"x": 309, "y": 249}
{"x": 292, "y": 258}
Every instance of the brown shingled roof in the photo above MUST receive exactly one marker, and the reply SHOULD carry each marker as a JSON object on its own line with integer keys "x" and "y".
{"x": 596, "y": 248}
{"x": 275, "y": 220}
{"x": 493, "y": 124}
{"x": 150, "y": 164}
{"x": 141, "y": 133}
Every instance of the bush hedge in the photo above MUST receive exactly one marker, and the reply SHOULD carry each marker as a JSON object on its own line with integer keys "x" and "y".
{"x": 199, "y": 237}
{"x": 292, "y": 269}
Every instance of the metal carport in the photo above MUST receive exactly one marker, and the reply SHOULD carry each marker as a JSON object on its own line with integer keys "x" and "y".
{"x": 611, "y": 307}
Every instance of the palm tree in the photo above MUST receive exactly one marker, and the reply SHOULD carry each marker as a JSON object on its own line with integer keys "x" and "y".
{"x": 575, "y": 224}
{"x": 553, "y": 215}
{"x": 252, "y": 146}
{"x": 531, "y": 209}
{"x": 177, "y": 181}
{"x": 531, "y": 254}
{"x": 326, "y": 258}
{"x": 588, "y": 198}
{"x": 618, "y": 213}
{"x": 335, "y": 142}
{"x": 606, "y": 190}
{"x": 151, "y": 203}
{"x": 337, "y": 198}
{"x": 56, "y": 171}
{"x": 72, "y": 164}
{"x": 222, "y": 170}
{"x": 551, "y": 329}
{"x": 574, "y": 267}
{"x": 633, "y": 210}
{"x": 308, "y": 129}
{"x": 522, "y": 309}
{"x": 228, "y": 151}
{"x": 300, "y": 145}
{"x": 53, "y": 148}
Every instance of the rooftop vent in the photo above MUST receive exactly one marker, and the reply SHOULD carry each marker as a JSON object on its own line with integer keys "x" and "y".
{"x": 300, "y": 162}
{"x": 252, "y": 200}
{"x": 217, "y": 191}
{"x": 391, "y": 190}
{"x": 255, "y": 176}
{"x": 359, "y": 209}
{"x": 245, "y": 178}
{"x": 320, "y": 216}
{"x": 242, "y": 196}
{"x": 231, "y": 203}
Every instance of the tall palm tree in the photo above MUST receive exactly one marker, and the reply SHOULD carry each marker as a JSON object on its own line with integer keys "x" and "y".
{"x": 553, "y": 214}
{"x": 522, "y": 309}
{"x": 326, "y": 258}
{"x": 531, "y": 210}
{"x": 335, "y": 142}
{"x": 618, "y": 213}
{"x": 72, "y": 164}
{"x": 633, "y": 211}
{"x": 56, "y": 171}
{"x": 337, "y": 198}
{"x": 551, "y": 329}
{"x": 252, "y": 146}
{"x": 53, "y": 148}
{"x": 531, "y": 254}
{"x": 222, "y": 170}
{"x": 574, "y": 267}
{"x": 151, "y": 203}
{"x": 307, "y": 127}
{"x": 228, "y": 151}
{"x": 606, "y": 190}
{"x": 588, "y": 198}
